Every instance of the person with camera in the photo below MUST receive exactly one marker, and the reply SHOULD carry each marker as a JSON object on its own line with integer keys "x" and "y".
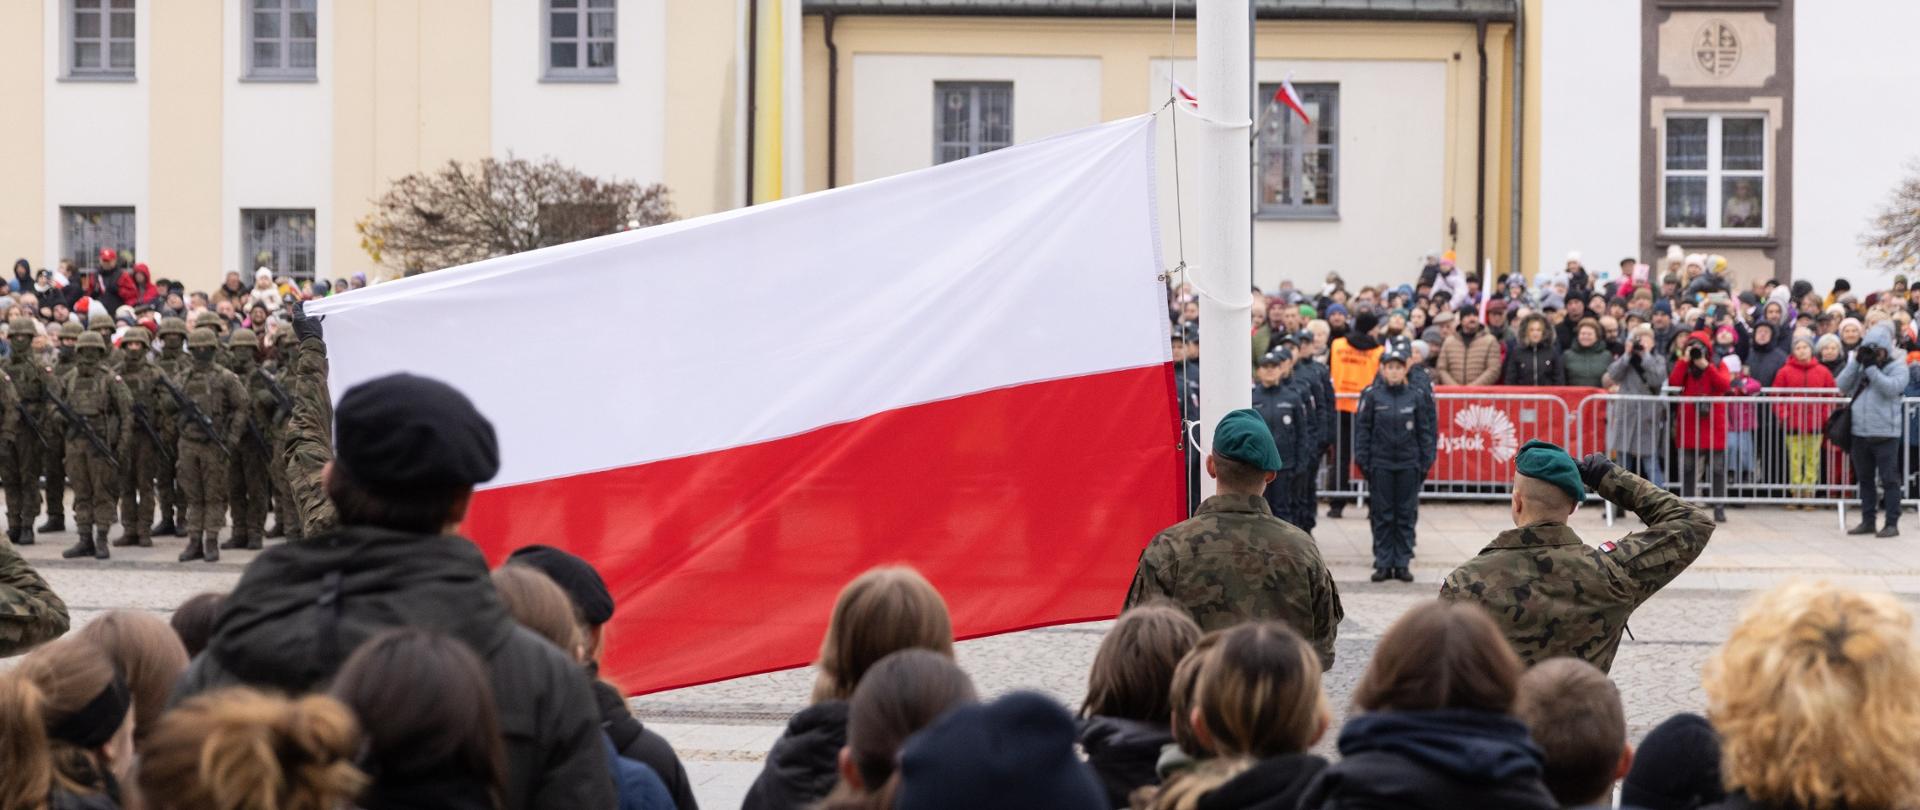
{"x": 1874, "y": 378}
{"x": 1700, "y": 428}
{"x": 1635, "y": 429}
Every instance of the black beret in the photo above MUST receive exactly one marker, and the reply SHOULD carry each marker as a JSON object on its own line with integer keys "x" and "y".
{"x": 413, "y": 434}
{"x": 574, "y": 575}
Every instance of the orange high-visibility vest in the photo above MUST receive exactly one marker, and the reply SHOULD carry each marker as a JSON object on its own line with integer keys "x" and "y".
{"x": 1353, "y": 369}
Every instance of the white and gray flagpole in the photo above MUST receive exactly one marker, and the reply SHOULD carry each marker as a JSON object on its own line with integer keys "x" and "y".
{"x": 1224, "y": 274}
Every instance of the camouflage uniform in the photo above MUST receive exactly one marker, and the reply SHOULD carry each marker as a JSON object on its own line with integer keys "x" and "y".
{"x": 1234, "y": 561}
{"x": 286, "y": 514}
{"x": 173, "y": 362}
{"x": 1553, "y": 595}
{"x": 142, "y": 459}
{"x": 21, "y": 466}
{"x": 247, "y": 471}
{"x": 202, "y": 463}
{"x": 30, "y": 612}
{"x": 309, "y": 445}
{"x": 55, "y": 459}
{"x": 101, "y": 401}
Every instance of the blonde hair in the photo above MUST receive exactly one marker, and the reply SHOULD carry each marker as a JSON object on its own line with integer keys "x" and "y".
{"x": 1182, "y": 694}
{"x": 1817, "y": 696}
{"x": 1132, "y": 672}
{"x": 538, "y": 604}
{"x": 239, "y": 749}
{"x": 48, "y": 686}
{"x": 148, "y": 653}
{"x": 882, "y": 611}
{"x": 1259, "y": 692}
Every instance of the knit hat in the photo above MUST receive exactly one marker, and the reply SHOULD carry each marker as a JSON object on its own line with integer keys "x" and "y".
{"x": 1307, "y": 311}
{"x": 1016, "y": 752}
{"x": 1336, "y": 308}
{"x": 1365, "y": 321}
{"x": 1677, "y": 767}
{"x": 406, "y": 434}
{"x": 1807, "y": 339}
{"x": 1443, "y": 316}
{"x": 1497, "y": 305}
{"x": 1725, "y": 331}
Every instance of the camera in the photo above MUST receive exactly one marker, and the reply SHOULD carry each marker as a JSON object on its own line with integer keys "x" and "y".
{"x": 1696, "y": 353}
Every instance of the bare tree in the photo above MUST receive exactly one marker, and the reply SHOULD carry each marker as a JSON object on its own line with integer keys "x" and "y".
{"x": 465, "y": 213}
{"x": 1892, "y": 239}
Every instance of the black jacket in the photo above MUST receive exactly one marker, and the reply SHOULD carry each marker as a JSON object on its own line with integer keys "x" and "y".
{"x": 1738, "y": 800}
{"x": 1123, "y": 753}
{"x": 1271, "y": 784}
{"x": 1443, "y": 760}
{"x": 1538, "y": 364}
{"x": 1395, "y": 427}
{"x": 641, "y": 744}
{"x": 1284, "y": 408}
{"x": 804, "y": 763}
{"x": 448, "y": 794}
{"x": 301, "y": 608}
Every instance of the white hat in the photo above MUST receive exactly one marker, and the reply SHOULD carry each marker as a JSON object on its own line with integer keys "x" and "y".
{"x": 1573, "y": 255}
{"x": 1695, "y": 258}
{"x": 1674, "y": 253}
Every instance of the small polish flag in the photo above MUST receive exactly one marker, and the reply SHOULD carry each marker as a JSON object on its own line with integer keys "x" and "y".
{"x": 1186, "y": 96}
{"x": 1291, "y": 97}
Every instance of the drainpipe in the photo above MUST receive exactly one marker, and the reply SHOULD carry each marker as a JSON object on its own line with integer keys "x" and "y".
{"x": 753, "y": 87}
{"x": 1519, "y": 133}
{"x": 833, "y": 104}
{"x": 1480, "y": 157}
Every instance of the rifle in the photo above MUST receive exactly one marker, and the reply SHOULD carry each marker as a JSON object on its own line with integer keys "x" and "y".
{"x": 193, "y": 412}
{"x": 26, "y": 418}
{"x": 86, "y": 428}
{"x": 253, "y": 432}
{"x": 283, "y": 401}
{"x": 145, "y": 421}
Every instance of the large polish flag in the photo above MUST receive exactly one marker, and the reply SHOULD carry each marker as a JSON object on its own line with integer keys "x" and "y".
{"x": 964, "y": 369}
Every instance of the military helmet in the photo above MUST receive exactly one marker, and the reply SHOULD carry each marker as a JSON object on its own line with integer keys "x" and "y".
{"x": 173, "y": 325}
{"x": 99, "y": 322}
{"x": 137, "y": 334}
{"x": 208, "y": 320}
{"x": 92, "y": 340}
{"x": 203, "y": 338}
{"x": 70, "y": 329}
{"x": 285, "y": 337}
{"x": 21, "y": 327}
{"x": 242, "y": 337}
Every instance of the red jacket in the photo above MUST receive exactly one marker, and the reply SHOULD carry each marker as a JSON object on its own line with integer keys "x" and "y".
{"x": 1809, "y": 417}
{"x": 136, "y": 287}
{"x": 1700, "y": 425}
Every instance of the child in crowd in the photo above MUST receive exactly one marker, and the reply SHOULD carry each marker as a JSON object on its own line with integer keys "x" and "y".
{"x": 1574, "y": 714}
{"x": 1125, "y": 717}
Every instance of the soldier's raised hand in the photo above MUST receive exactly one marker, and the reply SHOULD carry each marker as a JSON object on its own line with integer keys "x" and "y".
{"x": 1594, "y": 469}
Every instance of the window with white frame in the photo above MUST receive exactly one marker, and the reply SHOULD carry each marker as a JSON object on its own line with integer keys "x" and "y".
{"x": 84, "y": 230}
{"x": 99, "y": 38}
{"x": 971, "y": 118}
{"x": 279, "y": 239}
{"x": 1714, "y": 178}
{"x": 281, "y": 39}
{"x": 1299, "y": 161}
{"x": 580, "y": 39}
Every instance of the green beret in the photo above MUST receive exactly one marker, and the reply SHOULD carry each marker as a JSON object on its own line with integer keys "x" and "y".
{"x": 1547, "y": 462}
{"x": 1307, "y": 311}
{"x": 1243, "y": 436}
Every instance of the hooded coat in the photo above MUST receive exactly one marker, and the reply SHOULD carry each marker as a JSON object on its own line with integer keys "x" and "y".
{"x": 1876, "y": 413}
{"x": 1432, "y": 760}
{"x": 643, "y": 745}
{"x": 301, "y": 608}
{"x": 1765, "y": 358}
{"x": 135, "y": 287}
{"x": 1700, "y": 425}
{"x": 1534, "y": 363}
{"x": 1636, "y": 427}
{"x": 1802, "y": 417}
{"x": 804, "y": 764}
{"x": 1271, "y": 784}
{"x": 1123, "y": 753}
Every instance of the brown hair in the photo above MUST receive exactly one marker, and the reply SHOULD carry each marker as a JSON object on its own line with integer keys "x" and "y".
{"x": 239, "y": 749}
{"x": 1575, "y": 715}
{"x": 148, "y": 655}
{"x": 193, "y": 620}
{"x": 427, "y": 707}
{"x": 1440, "y": 655}
{"x": 1259, "y": 692}
{"x": 538, "y": 604}
{"x": 1133, "y": 671}
{"x": 50, "y": 685}
{"x": 882, "y": 611}
{"x": 902, "y": 694}
{"x": 1181, "y": 697}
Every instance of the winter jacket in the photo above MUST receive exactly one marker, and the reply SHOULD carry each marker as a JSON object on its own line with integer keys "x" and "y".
{"x": 1354, "y": 361}
{"x": 1537, "y": 364}
{"x": 1876, "y": 413}
{"x": 637, "y": 786}
{"x": 1454, "y": 281}
{"x": 1638, "y": 427}
{"x": 1284, "y": 408}
{"x": 1700, "y": 425}
{"x": 136, "y": 288}
{"x": 1587, "y": 367}
{"x": 440, "y": 794}
{"x": 1796, "y": 417}
{"x": 804, "y": 763}
{"x": 1742, "y": 418}
{"x": 1271, "y": 784}
{"x": 236, "y": 295}
{"x": 1122, "y": 753}
{"x": 1316, "y": 375}
{"x": 1440, "y": 760}
{"x": 1395, "y": 428}
{"x": 1739, "y": 800}
{"x": 1469, "y": 361}
{"x": 1765, "y": 359}
{"x": 22, "y": 277}
{"x": 276, "y": 632}
{"x": 641, "y": 744}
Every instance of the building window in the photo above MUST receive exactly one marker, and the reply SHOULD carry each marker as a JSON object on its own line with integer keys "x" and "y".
{"x": 1299, "y": 162}
{"x": 281, "y": 240}
{"x": 971, "y": 118}
{"x": 84, "y": 231}
{"x": 281, "y": 39}
{"x": 1715, "y": 178}
{"x": 580, "y": 39}
{"x": 100, "y": 38}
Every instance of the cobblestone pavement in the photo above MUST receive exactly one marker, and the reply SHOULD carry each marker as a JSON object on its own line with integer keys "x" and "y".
{"x": 723, "y": 730}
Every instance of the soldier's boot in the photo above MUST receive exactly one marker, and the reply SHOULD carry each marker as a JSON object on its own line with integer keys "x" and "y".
{"x": 237, "y": 541}
{"x": 1403, "y": 574}
{"x": 145, "y": 540}
{"x": 100, "y": 550}
{"x": 193, "y": 549}
{"x": 56, "y": 522}
{"x": 83, "y": 547}
{"x": 255, "y": 542}
{"x": 26, "y": 536}
{"x": 165, "y": 527}
{"x": 276, "y": 531}
{"x": 126, "y": 538}
{"x": 13, "y": 534}
{"x": 210, "y": 550}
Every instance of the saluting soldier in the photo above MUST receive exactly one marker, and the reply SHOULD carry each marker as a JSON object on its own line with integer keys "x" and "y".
{"x": 217, "y": 395}
{"x": 21, "y": 468}
{"x": 100, "y": 403}
{"x": 1550, "y": 592}
{"x": 1233, "y": 561}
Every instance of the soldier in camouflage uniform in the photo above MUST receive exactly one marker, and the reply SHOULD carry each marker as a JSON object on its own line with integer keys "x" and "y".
{"x": 102, "y": 323}
{"x": 209, "y": 320}
{"x": 203, "y": 458}
{"x": 143, "y": 458}
{"x": 1553, "y": 594}
{"x": 286, "y": 515}
{"x": 30, "y": 612}
{"x": 1233, "y": 561}
{"x": 309, "y": 444}
{"x": 55, "y": 459}
{"x": 172, "y": 362}
{"x": 101, "y": 401}
{"x": 247, "y": 471}
{"x": 29, "y": 380}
